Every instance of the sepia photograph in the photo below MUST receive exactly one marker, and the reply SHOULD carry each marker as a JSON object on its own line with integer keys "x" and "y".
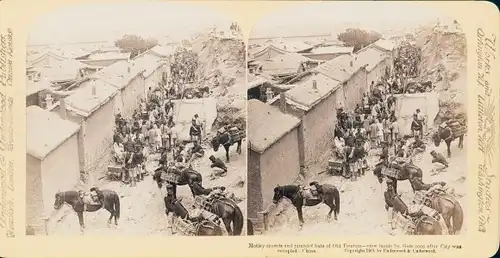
{"x": 357, "y": 122}
{"x": 135, "y": 122}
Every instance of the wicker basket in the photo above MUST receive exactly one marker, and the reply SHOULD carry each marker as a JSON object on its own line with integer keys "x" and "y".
{"x": 390, "y": 172}
{"x": 201, "y": 202}
{"x": 184, "y": 226}
{"x": 236, "y": 136}
{"x": 170, "y": 177}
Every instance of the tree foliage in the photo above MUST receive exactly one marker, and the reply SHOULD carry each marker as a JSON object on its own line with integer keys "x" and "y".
{"x": 135, "y": 44}
{"x": 358, "y": 38}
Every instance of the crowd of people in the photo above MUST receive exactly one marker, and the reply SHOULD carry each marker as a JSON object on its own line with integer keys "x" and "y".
{"x": 151, "y": 130}
{"x": 184, "y": 66}
{"x": 373, "y": 124}
{"x": 406, "y": 64}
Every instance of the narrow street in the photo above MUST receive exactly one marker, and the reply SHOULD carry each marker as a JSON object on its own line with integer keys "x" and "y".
{"x": 142, "y": 208}
{"x": 362, "y": 201}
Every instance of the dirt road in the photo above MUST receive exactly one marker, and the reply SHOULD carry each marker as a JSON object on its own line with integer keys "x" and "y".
{"x": 142, "y": 207}
{"x": 362, "y": 205}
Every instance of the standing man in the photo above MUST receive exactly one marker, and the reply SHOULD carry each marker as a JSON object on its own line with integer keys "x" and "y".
{"x": 421, "y": 121}
{"x": 128, "y": 176}
{"x": 416, "y": 127}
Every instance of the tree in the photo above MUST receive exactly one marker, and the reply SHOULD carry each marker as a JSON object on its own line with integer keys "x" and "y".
{"x": 134, "y": 44}
{"x": 358, "y": 38}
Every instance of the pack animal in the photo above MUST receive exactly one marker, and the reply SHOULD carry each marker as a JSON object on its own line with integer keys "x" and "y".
{"x": 111, "y": 202}
{"x": 187, "y": 177}
{"x": 407, "y": 172}
{"x": 327, "y": 194}
{"x": 225, "y": 208}
{"x": 444, "y": 203}
{"x": 448, "y": 132}
{"x": 424, "y": 224}
{"x": 227, "y": 139}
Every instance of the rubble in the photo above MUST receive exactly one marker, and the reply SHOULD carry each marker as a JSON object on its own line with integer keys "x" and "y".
{"x": 444, "y": 59}
{"x": 223, "y": 71}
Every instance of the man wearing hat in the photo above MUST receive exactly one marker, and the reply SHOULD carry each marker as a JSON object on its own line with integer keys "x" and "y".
{"x": 439, "y": 158}
{"x": 217, "y": 163}
{"x": 129, "y": 148}
{"x": 416, "y": 127}
{"x": 195, "y": 130}
{"x": 388, "y": 198}
{"x": 421, "y": 120}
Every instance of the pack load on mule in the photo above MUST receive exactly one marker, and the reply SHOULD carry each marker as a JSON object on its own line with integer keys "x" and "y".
{"x": 391, "y": 172}
{"x": 425, "y": 197}
{"x": 409, "y": 223}
{"x": 91, "y": 198}
{"x": 171, "y": 175}
{"x": 206, "y": 202}
{"x": 185, "y": 226}
{"x": 234, "y": 132}
{"x": 458, "y": 128}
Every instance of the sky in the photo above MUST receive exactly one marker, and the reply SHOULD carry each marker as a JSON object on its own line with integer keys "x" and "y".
{"x": 334, "y": 17}
{"x": 105, "y": 22}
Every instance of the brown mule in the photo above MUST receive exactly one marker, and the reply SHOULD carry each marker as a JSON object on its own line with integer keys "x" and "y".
{"x": 450, "y": 209}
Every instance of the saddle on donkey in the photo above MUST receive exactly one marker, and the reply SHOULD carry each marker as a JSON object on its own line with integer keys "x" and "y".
{"x": 234, "y": 133}
{"x": 93, "y": 198}
{"x": 311, "y": 193}
{"x": 173, "y": 173}
{"x": 206, "y": 202}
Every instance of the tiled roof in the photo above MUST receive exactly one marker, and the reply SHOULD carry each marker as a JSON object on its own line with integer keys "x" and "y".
{"x": 283, "y": 64}
{"x": 45, "y": 131}
{"x": 63, "y": 70}
{"x": 119, "y": 74}
{"x": 338, "y": 68}
{"x": 369, "y": 57}
{"x": 267, "y": 124}
{"x": 307, "y": 97}
{"x": 332, "y": 49}
{"x": 385, "y": 44}
{"x": 85, "y": 102}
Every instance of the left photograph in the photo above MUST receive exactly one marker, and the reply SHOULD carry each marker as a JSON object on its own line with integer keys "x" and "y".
{"x": 135, "y": 122}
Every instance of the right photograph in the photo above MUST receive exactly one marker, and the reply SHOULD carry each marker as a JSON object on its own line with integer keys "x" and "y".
{"x": 357, "y": 121}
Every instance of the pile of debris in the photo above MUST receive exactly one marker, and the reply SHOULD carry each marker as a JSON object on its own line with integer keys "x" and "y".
{"x": 222, "y": 60}
{"x": 222, "y": 69}
{"x": 444, "y": 59}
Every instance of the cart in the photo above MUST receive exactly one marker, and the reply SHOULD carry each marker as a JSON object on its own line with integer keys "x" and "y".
{"x": 336, "y": 167}
{"x": 114, "y": 172}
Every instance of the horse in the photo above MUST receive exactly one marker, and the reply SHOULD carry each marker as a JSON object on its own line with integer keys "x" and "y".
{"x": 328, "y": 194}
{"x": 188, "y": 177}
{"x": 425, "y": 224}
{"x": 447, "y": 205}
{"x": 225, "y": 140}
{"x": 208, "y": 228}
{"x": 445, "y": 135}
{"x": 73, "y": 198}
{"x": 225, "y": 208}
{"x": 407, "y": 172}
{"x": 202, "y": 228}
